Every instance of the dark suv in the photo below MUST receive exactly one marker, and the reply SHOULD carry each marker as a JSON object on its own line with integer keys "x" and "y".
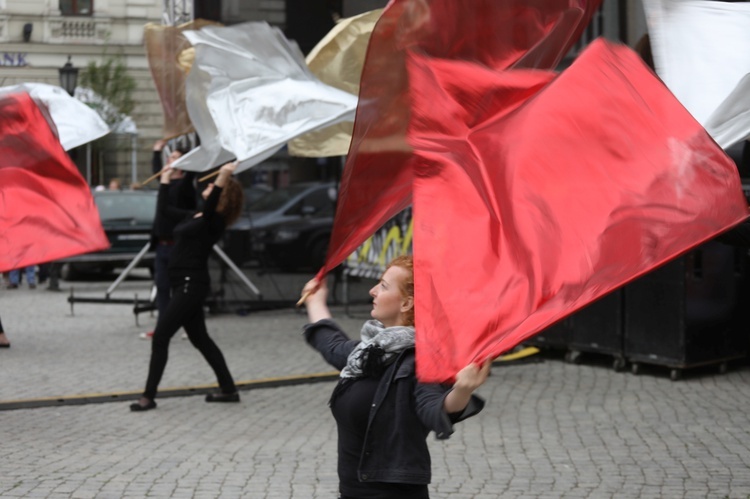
{"x": 127, "y": 218}
{"x": 289, "y": 227}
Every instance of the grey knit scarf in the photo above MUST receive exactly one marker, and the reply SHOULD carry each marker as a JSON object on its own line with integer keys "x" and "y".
{"x": 379, "y": 346}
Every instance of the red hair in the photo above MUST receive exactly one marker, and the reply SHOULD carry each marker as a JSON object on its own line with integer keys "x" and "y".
{"x": 406, "y": 287}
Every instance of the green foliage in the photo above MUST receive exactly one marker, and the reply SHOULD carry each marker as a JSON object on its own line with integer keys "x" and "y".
{"x": 111, "y": 81}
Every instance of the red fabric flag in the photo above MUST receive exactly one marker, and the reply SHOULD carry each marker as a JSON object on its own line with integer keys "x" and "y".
{"x": 524, "y": 217}
{"x": 377, "y": 179}
{"x": 46, "y": 209}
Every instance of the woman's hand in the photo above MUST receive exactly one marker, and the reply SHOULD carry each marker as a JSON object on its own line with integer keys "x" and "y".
{"x": 315, "y": 298}
{"x": 225, "y": 172}
{"x": 228, "y": 168}
{"x": 472, "y": 376}
{"x": 468, "y": 380}
{"x": 315, "y": 292}
{"x": 166, "y": 175}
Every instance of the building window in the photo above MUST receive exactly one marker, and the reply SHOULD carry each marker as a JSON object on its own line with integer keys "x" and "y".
{"x": 77, "y": 7}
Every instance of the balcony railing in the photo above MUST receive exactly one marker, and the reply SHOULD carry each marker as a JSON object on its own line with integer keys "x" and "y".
{"x": 73, "y": 29}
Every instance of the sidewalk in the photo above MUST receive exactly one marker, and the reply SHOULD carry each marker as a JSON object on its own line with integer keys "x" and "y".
{"x": 549, "y": 430}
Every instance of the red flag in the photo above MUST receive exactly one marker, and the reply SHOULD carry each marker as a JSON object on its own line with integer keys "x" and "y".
{"x": 522, "y": 218}
{"x": 377, "y": 179}
{"x": 46, "y": 208}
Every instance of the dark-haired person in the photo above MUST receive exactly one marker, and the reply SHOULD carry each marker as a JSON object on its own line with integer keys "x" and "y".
{"x": 383, "y": 414}
{"x": 189, "y": 279}
{"x": 181, "y": 201}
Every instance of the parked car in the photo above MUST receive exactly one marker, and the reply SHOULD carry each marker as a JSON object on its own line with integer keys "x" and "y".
{"x": 127, "y": 218}
{"x": 289, "y": 227}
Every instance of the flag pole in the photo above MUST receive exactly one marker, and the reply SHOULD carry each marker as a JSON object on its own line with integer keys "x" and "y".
{"x": 152, "y": 177}
{"x": 202, "y": 179}
{"x": 210, "y": 175}
{"x": 305, "y": 296}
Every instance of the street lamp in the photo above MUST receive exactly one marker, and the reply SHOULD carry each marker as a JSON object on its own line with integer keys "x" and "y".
{"x": 68, "y": 81}
{"x": 69, "y": 77}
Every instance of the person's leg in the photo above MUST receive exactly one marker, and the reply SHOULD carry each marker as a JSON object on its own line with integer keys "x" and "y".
{"x": 14, "y": 276}
{"x": 4, "y": 343}
{"x": 31, "y": 276}
{"x": 161, "y": 281}
{"x": 43, "y": 272}
{"x": 182, "y": 307}
{"x": 198, "y": 336}
{"x": 161, "y": 277}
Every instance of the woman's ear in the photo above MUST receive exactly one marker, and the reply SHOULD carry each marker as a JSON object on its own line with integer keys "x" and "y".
{"x": 407, "y": 304}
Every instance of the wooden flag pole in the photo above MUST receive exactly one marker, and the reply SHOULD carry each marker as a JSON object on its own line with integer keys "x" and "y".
{"x": 152, "y": 177}
{"x": 304, "y": 297}
{"x": 210, "y": 175}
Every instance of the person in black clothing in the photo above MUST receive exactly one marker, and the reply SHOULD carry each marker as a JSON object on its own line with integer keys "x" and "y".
{"x": 181, "y": 202}
{"x": 189, "y": 279}
{"x": 383, "y": 414}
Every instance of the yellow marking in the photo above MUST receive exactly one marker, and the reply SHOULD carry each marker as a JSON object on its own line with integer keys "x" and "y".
{"x": 526, "y": 352}
{"x": 184, "y": 388}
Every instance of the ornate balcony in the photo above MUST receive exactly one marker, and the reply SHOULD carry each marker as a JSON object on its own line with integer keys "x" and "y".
{"x": 77, "y": 29}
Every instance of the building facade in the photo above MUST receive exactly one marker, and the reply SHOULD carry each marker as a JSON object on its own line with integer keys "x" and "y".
{"x": 38, "y": 36}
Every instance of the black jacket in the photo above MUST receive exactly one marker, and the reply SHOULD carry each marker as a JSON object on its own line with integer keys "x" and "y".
{"x": 194, "y": 238}
{"x": 403, "y": 412}
{"x": 181, "y": 202}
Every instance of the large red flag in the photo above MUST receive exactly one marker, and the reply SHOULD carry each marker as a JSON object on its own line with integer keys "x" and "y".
{"x": 377, "y": 179}
{"x": 523, "y": 217}
{"x": 46, "y": 208}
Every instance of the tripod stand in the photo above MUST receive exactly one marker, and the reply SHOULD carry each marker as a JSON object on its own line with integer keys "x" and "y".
{"x": 140, "y": 308}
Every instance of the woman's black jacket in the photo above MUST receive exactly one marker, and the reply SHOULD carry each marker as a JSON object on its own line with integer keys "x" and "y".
{"x": 403, "y": 412}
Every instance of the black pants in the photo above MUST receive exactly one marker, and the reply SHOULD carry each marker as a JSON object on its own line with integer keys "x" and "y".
{"x": 185, "y": 310}
{"x": 161, "y": 277}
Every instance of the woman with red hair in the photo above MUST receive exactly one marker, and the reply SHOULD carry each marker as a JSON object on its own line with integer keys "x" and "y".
{"x": 382, "y": 412}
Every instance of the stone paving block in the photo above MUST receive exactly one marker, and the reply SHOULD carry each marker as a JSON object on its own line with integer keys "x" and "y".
{"x": 550, "y": 429}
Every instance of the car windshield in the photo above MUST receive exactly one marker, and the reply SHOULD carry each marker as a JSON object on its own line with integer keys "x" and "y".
{"x": 126, "y": 206}
{"x": 278, "y": 198}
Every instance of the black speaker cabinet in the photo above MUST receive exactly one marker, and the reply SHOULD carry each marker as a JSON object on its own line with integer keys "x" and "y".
{"x": 598, "y": 328}
{"x": 691, "y": 312}
{"x": 556, "y": 336}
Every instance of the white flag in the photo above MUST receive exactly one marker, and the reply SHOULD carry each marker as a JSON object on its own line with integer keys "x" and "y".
{"x": 702, "y": 52}
{"x": 76, "y": 123}
{"x": 249, "y": 92}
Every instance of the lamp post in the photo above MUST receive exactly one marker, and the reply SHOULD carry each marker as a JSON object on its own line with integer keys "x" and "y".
{"x": 68, "y": 81}
{"x": 69, "y": 77}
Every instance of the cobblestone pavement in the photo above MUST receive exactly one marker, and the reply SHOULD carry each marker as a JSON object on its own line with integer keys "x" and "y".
{"x": 550, "y": 429}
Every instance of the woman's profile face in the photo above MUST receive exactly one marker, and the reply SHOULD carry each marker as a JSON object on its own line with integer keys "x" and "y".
{"x": 387, "y": 301}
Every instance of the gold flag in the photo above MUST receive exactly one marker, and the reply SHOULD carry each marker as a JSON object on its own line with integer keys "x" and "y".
{"x": 170, "y": 56}
{"x": 337, "y": 61}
